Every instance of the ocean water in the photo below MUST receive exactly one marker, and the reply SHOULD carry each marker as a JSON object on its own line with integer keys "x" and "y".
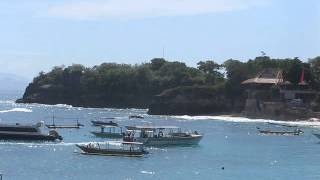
{"x": 229, "y": 142}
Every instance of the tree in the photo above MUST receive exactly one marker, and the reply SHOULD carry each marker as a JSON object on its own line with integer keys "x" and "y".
{"x": 211, "y": 71}
{"x": 315, "y": 69}
{"x": 157, "y": 63}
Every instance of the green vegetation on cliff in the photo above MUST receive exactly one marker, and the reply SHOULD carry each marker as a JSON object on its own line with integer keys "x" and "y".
{"x": 166, "y": 87}
{"x": 116, "y": 85}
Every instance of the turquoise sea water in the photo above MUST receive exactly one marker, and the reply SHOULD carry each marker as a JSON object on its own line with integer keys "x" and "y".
{"x": 232, "y": 143}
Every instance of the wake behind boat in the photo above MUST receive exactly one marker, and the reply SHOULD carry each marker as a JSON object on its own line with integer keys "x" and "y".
{"x": 26, "y": 133}
{"x": 161, "y": 135}
{"x": 129, "y": 149}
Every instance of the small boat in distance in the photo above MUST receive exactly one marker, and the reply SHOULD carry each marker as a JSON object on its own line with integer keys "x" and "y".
{"x": 110, "y": 132}
{"x": 161, "y": 135}
{"x": 128, "y": 149}
{"x": 26, "y": 133}
{"x": 104, "y": 123}
{"x": 136, "y": 116}
{"x": 292, "y": 131}
{"x": 295, "y": 132}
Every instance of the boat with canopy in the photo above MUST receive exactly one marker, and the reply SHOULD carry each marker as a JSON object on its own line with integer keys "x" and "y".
{"x": 128, "y": 149}
{"x": 108, "y": 131}
{"x": 161, "y": 135}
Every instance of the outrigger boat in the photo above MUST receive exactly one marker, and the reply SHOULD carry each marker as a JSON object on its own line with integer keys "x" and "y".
{"x": 161, "y": 135}
{"x": 295, "y": 132}
{"x": 26, "y": 133}
{"x": 129, "y": 149}
{"x": 104, "y": 123}
{"x": 110, "y": 132}
{"x": 55, "y": 126}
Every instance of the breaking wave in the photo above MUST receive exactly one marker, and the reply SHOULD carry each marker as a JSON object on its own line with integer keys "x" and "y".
{"x": 16, "y": 110}
{"x": 310, "y": 123}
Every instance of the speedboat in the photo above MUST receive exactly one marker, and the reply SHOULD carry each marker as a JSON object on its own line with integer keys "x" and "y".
{"x": 161, "y": 135}
{"x": 26, "y": 133}
{"x": 129, "y": 149}
{"x": 110, "y": 132}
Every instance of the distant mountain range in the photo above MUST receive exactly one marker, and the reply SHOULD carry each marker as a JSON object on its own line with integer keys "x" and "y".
{"x": 12, "y": 83}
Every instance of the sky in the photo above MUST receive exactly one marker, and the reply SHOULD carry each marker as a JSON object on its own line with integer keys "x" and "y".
{"x": 36, "y": 35}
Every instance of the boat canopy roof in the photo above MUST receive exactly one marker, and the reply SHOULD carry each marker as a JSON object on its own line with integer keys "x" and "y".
{"x": 150, "y": 127}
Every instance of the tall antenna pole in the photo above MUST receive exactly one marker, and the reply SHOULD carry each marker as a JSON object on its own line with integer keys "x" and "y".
{"x": 163, "y": 52}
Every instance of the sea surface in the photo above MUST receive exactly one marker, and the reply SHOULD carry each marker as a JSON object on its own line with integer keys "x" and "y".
{"x": 231, "y": 148}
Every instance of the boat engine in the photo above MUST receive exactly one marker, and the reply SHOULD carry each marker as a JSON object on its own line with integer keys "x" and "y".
{"x": 55, "y": 134}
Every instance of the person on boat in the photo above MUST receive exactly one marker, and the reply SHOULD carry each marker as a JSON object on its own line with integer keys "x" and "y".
{"x": 160, "y": 134}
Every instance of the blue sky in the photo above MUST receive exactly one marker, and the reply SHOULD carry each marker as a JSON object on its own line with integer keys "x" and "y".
{"x": 39, "y": 34}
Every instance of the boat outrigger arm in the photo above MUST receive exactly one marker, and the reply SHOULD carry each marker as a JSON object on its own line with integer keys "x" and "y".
{"x": 55, "y": 126}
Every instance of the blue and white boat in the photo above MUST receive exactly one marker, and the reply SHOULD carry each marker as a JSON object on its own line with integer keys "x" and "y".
{"x": 161, "y": 135}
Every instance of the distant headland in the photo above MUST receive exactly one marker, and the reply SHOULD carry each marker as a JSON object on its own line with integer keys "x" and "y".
{"x": 260, "y": 88}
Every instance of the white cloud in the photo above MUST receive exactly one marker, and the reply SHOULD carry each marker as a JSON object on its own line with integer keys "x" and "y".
{"x": 99, "y": 9}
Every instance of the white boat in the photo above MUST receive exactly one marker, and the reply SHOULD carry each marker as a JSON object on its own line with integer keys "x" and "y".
{"x": 161, "y": 135}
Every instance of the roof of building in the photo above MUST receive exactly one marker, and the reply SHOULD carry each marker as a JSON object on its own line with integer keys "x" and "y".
{"x": 267, "y": 76}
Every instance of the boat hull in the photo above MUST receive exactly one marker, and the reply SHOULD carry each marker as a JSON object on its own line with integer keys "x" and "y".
{"x": 289, "y": 133}
{"x": 62, "y": 126}
{"x": 108, "y": 135}
{"x": 26, "y": 136}
{"x": 164, "y": 141}
{"x": 110, "y": 152}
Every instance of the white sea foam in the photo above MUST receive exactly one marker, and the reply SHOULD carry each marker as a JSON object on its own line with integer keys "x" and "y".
{"x": 147, "y": 172}
{"x": 7, "y": 102}
{"x": 62, "y": 105}
{"x": 312, "y": 122}
{"x": 48, "y": 105}
{"x": 16, "y": 110}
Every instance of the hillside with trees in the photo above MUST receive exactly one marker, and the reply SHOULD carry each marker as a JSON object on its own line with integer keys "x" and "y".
{"x": 162, "y": 86}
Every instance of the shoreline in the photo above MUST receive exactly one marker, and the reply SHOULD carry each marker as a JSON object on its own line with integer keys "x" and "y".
{"x": 225, "y": 116}
{"x": 312, "y": 122}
